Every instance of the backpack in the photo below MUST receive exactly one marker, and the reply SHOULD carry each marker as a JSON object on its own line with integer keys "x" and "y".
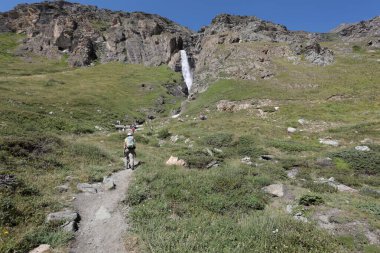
{"x": 130, "y": 142}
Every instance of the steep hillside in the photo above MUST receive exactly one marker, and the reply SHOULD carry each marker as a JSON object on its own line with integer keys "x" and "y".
{"x": 279, "y": 151}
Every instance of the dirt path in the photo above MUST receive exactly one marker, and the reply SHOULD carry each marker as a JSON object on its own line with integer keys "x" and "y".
{"x": 103, "y": 225}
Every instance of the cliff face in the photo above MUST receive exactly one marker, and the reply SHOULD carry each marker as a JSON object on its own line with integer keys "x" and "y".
{"x": 230, "y": 47}
{"x": 87, "y": 33}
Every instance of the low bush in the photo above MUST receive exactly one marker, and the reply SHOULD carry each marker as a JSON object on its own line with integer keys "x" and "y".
{"x": 197, "y": 159}
{"x": 163, "y": 134}
{"x": 319, "y": 187}
{"x": 293, "y": 146}
{"x": 247, "y": 146}
{"x": 310, "y": 200}
{"x": 218, "y": 140}
{"x": 9, "y": 214}
{"x": 363, "y": 162}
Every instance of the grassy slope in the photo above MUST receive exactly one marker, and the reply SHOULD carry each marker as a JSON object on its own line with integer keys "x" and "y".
{"x": 48, "y": 114}
{"x": 177, "y": 210}
{"x": 218, "y": 210}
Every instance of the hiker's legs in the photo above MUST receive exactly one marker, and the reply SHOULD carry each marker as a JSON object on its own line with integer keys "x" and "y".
{"x": 131, "y": 159}
{"x": 126, "y": 161}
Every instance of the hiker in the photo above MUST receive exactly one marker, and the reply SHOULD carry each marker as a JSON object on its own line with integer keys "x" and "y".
{"x": 129, "y": 151}
{"x": 133, "y": 128}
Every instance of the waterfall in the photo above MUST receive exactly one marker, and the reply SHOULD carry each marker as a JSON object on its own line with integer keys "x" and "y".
{"x": 186, "y": 71}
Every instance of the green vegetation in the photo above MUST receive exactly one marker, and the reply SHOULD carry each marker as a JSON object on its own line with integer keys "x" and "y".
{"x": 57, "y": 121}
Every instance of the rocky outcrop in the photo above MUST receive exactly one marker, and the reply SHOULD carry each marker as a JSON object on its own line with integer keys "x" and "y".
{"x": 231, "y": 47}
{"x": 362, "y": 31}
{"x": 86, "y": 33}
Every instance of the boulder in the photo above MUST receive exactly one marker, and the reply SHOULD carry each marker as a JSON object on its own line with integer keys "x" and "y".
{"x": 70, "y": 226}
{"x": 175, "y": 161}
{"x": 362, "y": 148}
{"x": 292, "y": 173}
{"x": 330, "y": 142}
{"x": 276, "y": 190}
{"x": 43, "y": 248}
{"x": 246, "y": 160}
{"x": 324, "y": 162}
{"x": 63, "y": 216}
{"x": 109, "y": 183}
{"x": 85, "y": 187}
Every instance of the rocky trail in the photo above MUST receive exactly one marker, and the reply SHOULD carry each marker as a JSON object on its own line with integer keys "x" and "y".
{"x": 103, "y": 224}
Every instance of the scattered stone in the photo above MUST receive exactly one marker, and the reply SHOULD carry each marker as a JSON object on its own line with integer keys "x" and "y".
{"x": 362, "y": 148}
{"x": 219, "y": 151}
{"x": 43, "y": 248}
{"x": 175, "y": 161}
{"x": 109, "y": 184}
{"x": 324, "y": 162}
{"x": 267, "y": 157}
{"x": 85, "y": 187}
{"x": 345, "y": 188}
{"x": 70, "y": 178}
{"x": 366, "y": 141}
{"x": 292, "y": 173}
{"x": 161, "y": 143}
{"x": 62, "y": 216}
{"x": 302, "y": 121}
{"x": 277, "y": 190}
{"x": 334, "y": 143}
{"x": 174, "y": 138}
{"x": 8, "y": 181}
{"x": 212, "y": 164}
{"x": 289, "y": 209}
{"x": 202, "y": 117}
{"x": 70, "y": 226}
{"x": 292, "y": 130}
{"x": 299, "y": 216}
{"x": 209, "y": 152}
{"x": 246, "y": 160}
{"x": 102, "y": 214}
{"x": 62, "y": 188}
{"x": 340, "y": 187}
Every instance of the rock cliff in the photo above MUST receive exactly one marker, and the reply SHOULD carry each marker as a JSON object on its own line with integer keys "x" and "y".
{"x": 231, "y": 46}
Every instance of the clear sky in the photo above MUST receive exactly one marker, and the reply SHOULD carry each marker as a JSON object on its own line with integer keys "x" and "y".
{"x": 308, "y": 15}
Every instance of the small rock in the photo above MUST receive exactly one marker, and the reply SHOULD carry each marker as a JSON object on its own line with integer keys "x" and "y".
{"x": 71, "y": 226}
{"x": 161, "y": 143}
{"x": 175, "y": 161}
{"x": 43, "y": 248}
{"x": 292, "y": 173}
{"x": 324, "y": 162}
{"x": 267, "y": 157}
{"x": 174, "y": 138}
{"x": 219, "y": 151}
{"x": 63, "y": 216}
{"x": 109, "y": 184}
{"x": 202, "y": 117}
{"x": 85, "y": 187}
{"x": 62, "y": 188}
{"x": 277, "y": 190}
{"x": 298, "y": 216}
{"x": 246, "y": 160}
{"x": 292, "y": 130}
{"x": 334, "y": 143}
{"x": 362, "y": 148}
{"x": 209, "y": 152}
{"x": 302, "y": 121}
{"x": 289, "y": 209}
{"x": 212, "y": 164}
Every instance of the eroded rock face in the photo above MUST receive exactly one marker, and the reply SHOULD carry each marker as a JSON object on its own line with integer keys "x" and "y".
{"x": 231, "y": 47}
{"x": 359, "y": 31}
{"x": 87, "y": 33}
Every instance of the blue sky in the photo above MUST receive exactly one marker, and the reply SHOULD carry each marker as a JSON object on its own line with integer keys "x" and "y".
{"x": 313, "y": 16}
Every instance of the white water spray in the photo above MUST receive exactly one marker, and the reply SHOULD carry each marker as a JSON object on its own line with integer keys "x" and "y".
{"x": 186, "y": 72}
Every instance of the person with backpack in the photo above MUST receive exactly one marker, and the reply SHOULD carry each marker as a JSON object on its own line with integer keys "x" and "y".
{"x": 130, "y": 151}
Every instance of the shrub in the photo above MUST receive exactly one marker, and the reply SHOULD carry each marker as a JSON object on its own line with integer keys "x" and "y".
{"x": 356, "y": 48}
{"x": 370, "y": 192}
{"x": 8, "y": 212}
{"x": 163, "y": 134}
{"x": 218, "y": 140}
{"x": 292, "y": 146}
{"x": 247, "y": 146}
{"x": 367, "y": 162}
{"x": 310, "y": 200}
{"x": 141, "y": 139}
{"x": 197, "y": 158}
{"x": 319, "y": 187}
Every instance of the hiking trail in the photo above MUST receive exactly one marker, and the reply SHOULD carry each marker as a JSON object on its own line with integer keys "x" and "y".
{"x": 103, "y": 219}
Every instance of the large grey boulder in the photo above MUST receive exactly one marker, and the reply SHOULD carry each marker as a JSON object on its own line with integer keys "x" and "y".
{"x": 276, "y": 190}
{"x": 63, "y": 216}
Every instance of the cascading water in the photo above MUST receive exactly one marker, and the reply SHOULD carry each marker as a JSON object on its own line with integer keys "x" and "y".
{"x": 186, "y": 71}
